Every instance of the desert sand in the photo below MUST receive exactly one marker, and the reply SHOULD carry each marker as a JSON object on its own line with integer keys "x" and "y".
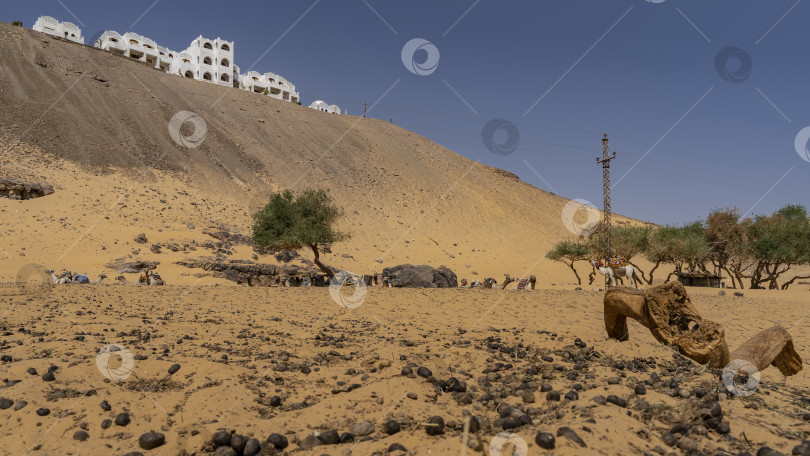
{"x": 258, "y": 361}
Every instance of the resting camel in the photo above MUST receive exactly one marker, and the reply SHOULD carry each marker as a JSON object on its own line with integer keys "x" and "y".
{"x": 624, "y": 271}
{"x": 154, "y": 279}
{"x": 65, "y": 279}
{"x": 669, "y": 315}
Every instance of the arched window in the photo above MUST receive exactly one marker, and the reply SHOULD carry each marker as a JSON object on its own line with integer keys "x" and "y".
{"x": 208, "y": 46}
{"x": 225, "y": 62}
{"x": 207, "y": 60}
{"x": 207, "y": 76}
{"x": 189, "y": 74}
{"x": 224, "y": 78}
{"x": 133, "y": 41}
{"x": 225, "y": 47}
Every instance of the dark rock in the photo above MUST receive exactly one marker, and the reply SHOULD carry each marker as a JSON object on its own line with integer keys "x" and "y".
{"x": 32, "y": 371}
{"x": 308, "y": 443}
{"x": 275, "y": 401}
{"x": 572, "y": 395}
{"x": 599, "y": 399}
{"x": 105, "y": 406}
{"x": 238, "y": 442}
{"x": 545, "y": 440}
{"x": 640, "y": 389}
{"x": 553, "y": 396}
{"x": 306, "y": 370}
{"x": 48, "y": 376}
{"x": 569, "y": 433}
{"x": 723, "y": 428}
{"x": 151, "y": 440}
{"x": 616, "y": 400}
{"x": 141, "y": 238}
{"x": 20, "y": 404}
{"x": 81, "y": 436}
{"x": 424, "y": 372}
{"x": 252, "y": 448}
{"x": 409, "y": 276}
{"x": 391, "y": 427}
{"x": 435, "y": 425}
{"x": 396, "y": 447}
{"x": 803, "y": 449}
{"x": 669, "y": 439}
{"x": 21, "y": 190}
{"x": 225, "y": 451}
{"x": 221, "y": 438}
{"x": 406, "y": 371}
{"x": 767, "y": 451}
{"x": 278, "y": 441}
{"x": 174, "y": 368}
{"x": 43, "y": 411}
{"x": 122, "y": 419}
{"x": 5, "y": 403}
{"x": 346, "y": 437}
{"x": 330, "y": 437}
{"x": 106, "y": 424}
{"x": 454, "y": 384}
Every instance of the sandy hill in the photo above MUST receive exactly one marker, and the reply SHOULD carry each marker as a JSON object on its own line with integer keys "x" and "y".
{"x": 96, "y": 126}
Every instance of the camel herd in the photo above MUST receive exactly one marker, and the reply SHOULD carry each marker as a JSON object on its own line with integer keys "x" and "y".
{"x": 68, "y": 277}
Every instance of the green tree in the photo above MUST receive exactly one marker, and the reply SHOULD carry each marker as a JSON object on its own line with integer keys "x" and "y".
{"x": 292, "y": 222}
{"x": 568, "y": 252}
{"x": 684, "y": 246}
{"x": 628, "y": 242}
{"x": 777, "y": 243}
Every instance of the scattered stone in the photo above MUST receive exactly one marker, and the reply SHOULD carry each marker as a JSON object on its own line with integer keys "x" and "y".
{"x": 310, "y": 442}
{"x": 43, "y": 411}
{"x": 545, "y": 440}
{"x": 20, "y": 404}
{"x": 424, "y": 372}
{"x": 669, "y": 439}
{"x": 221, "y": 438}
{"x": 174, "y": 368}
{"x": 569, "y": 433}
{"x": 572, "y": 395}
{"x": 616, "y": 400}
{"x": 396, "y": 447}
{"x": 81, "y": 436}
{"x": 48, "y": 376}
{"x": 106, "y": 424}
{"x": 151, "y": 440}
{"x": 275, "y": 401}
{"x": 640, "y": 389}
{"x": 5, "y": 403}
{"x": 278, "y": 441}
{"x": 252, "y": 448}
{"x": 105, "y": 406}
{"x": 434, "y": 425}
{"x": 122, "y": 419}
{"x": 553, "y": 396}
{"x": 346, "y": 437}
{"x": 391, "y": 427}
{"x": 225, "y": 451}
{"x": 767, "y": 451}
{"x": 238, "y": 442}
{"x": 362, "y": 429}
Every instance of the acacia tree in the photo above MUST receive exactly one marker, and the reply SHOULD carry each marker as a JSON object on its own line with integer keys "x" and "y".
{"x": 292, "y": 222}
{"x": 568, "y": 252}
{"x": 684, "y": 246}
{"x": 777, "y": 243}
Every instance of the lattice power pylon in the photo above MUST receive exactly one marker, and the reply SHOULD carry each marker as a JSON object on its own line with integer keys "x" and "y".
{"x": 605, "y": 161}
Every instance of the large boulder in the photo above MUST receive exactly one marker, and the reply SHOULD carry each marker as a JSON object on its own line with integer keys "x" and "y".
{"x": 422, "y": 276}
{"x": 20, "y": 190}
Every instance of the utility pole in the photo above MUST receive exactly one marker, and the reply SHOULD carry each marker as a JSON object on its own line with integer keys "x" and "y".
{"x": 364, "y": 110}
{"x": 605, "y": 161}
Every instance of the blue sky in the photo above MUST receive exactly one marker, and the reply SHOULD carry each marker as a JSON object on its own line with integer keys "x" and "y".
{"x": 644, "y": 72}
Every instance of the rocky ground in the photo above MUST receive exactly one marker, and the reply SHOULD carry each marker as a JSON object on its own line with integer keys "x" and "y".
{"x": 233, "y": 370}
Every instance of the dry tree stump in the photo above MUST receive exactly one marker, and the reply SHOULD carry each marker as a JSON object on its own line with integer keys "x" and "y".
{"x": 669, "y": 315}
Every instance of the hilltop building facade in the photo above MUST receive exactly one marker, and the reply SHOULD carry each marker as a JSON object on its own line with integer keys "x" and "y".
{"x": 66, "y": 30}
{"x": 325, "y": 107}
{"x": 269, "y": 84}
{"x": 204, "y": 60}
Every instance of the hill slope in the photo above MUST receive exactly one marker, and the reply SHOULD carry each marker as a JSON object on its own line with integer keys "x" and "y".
{"x": 97, "y": 127}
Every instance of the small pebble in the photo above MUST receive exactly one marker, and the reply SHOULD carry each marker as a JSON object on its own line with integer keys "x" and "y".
{"x": 81, "y": 436}
{"x": 122, "y": 419}
{"x": 545, "y": 440}
{"x": 174, "y": 368}
{"x": 391, "y": 427}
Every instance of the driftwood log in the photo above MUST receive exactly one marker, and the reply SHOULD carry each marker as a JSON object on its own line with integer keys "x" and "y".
{"x": 669, "y": 315}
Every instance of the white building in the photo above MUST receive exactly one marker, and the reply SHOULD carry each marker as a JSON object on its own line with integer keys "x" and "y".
{"x": 137, "y": 47}
{"x": 269, "y": 84}
{"x": 208, "y": 60}
{"x": 66, "y": 30}
{"x": 204, "y": 60}
{"x": 325, "y": 107}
